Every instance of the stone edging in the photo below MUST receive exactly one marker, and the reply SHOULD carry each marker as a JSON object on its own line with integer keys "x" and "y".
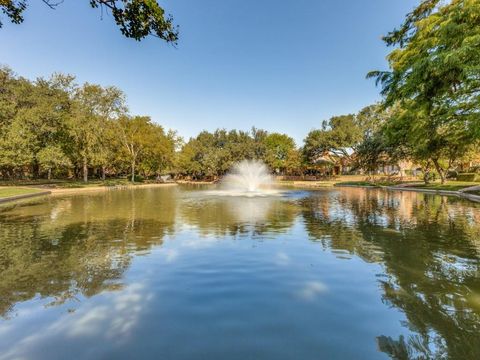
{"x": 471, "y": 197}
{"x": 460, "y": 194}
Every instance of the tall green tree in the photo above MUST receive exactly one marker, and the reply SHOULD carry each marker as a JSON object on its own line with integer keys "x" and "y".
{"x": 435, "y": 77}
{"x": 52, "y": 157}
{"x": 144, "y": 141}
{"x": 338, "y": 137}
{"x": 94, "y": 107}
{"x": 279, "y": 151}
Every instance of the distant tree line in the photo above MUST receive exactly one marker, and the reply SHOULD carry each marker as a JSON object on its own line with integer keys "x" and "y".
{"x": 54, "y": 127}
{"x": 210, "y": 155}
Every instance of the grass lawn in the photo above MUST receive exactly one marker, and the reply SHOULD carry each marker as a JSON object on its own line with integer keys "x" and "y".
{"x": 15, "y": 191}
{"x": 64, "y": 184}
{"x": 91, "y": 183}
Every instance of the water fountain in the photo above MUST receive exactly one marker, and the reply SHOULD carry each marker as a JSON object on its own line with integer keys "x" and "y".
{"x": 248, "y": 178}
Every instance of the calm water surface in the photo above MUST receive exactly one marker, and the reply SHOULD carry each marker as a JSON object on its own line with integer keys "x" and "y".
{"x": 170, "y": 273}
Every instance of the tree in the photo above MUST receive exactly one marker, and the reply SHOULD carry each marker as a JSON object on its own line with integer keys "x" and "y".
{"x": 435, "y": 77}
{"x": 159, "y": 155}
{"x": 141, "y": 138}
{"x": 33, "y": 117}
{"x": 423, "y": 139}
{"x": 135, "y": 18}
{"x": 54, "y": 124}
{"x": 375, "y": 150}
{"x": 279, "y": 148}
{"x": 52, "y": 157}
{"x": 14, "y": 154}
{"x": 94, "y": 106}
{"x": 338, "y": 137}
{"x": 212, "y": 154}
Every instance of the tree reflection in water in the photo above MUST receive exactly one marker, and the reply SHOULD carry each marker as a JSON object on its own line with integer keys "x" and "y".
{"x": 429, "y": 249}
{"x": 238, "y": 216}
{"x": 79, "y": 245}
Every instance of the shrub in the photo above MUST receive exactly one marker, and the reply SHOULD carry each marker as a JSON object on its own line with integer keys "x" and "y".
{"x": 474, "y": 169}
{"x": 452, "y": 174}
{"x": 430, "y": 176}
{"x": 468, "y": 177}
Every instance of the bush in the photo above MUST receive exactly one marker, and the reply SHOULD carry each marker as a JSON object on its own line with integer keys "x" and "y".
{"x": 474, "y": 169}
{"x": 468, "y": 177}
{"x": 452, "y": 174}
{"x": 430, "y": 176}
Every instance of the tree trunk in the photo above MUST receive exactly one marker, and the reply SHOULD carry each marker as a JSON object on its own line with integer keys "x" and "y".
{"x": 103, "y": 173}
{"x": 49, "y": 176}
{"x": 85, "y": 170}
{"x": 35, "y": 170}
{"x": 133, "y": 171}
{"x": 440, "y": 171}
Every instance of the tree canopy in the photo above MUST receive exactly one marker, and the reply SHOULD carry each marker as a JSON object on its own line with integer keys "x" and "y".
{"x": 136, "y": 19}
{"x": 56, "y": 127}
{"x": 213, "y": 154}
{"x": 338, "y": 137}
{"x": 434, "y": 77}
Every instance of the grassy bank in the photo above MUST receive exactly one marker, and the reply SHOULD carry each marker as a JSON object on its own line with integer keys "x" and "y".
{"x": 11, "y": 191}
{"x": 67, "y": 184}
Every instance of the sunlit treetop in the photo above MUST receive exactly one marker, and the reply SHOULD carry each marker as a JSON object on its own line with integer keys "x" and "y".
{"x": 136, "y": 19}
{"x": 436, "y": 55}
{"x": 436, "y": 59}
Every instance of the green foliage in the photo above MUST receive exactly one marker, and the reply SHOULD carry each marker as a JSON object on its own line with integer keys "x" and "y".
{"x": 136, "y": 18}
{"x": 55, "y": 127}
{"x": 13, "y": 9}
{"x": 52, "y": 157}
{"x": 145, "y": 142}
{"x": 280, "y": 149}
{"x": 339, "y": 137}
{"x": 434, "y": 78}
{"x": 210, "y": 155}
{"x": 468, "y": 177}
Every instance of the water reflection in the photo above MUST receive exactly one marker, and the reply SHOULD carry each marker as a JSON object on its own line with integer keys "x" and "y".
{"x": 429, "y": 249}
{"x": 79, "y": 245}
{"x": 232, "y": 216}
{"x": 76, "y": 252}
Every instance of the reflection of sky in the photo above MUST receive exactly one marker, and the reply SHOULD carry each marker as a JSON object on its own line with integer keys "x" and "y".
{"x": 311, "y": 290}
{"x": 109, "y": 317}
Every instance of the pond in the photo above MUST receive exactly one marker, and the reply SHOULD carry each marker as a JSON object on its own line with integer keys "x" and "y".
{"x": 175, "y": 273}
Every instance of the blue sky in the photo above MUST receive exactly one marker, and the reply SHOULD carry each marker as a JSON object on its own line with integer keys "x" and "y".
{"x": 278, "y": 65}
